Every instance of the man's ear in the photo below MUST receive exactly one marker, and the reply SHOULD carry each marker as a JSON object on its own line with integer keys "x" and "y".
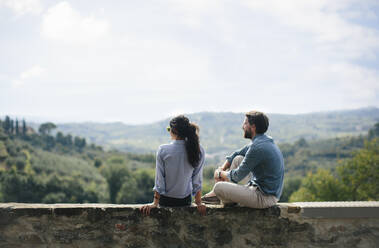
{"x": 254, "y": 128}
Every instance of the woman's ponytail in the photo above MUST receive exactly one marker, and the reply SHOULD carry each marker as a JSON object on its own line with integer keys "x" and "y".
{"x": 189, "y": 132}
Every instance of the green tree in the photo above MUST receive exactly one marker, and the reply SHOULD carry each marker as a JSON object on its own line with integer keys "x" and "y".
{"x": 24, "y": 130}
{"x": 360, "y": 174}
{"x": 319, "y": 186}
{"x": 17, "y": 128}
{"x": 46, "y": 128}
{"x": 20, "y": 187}
{"x": 59, "y": 137}
{"x": 7, "y": 124}
{"x": 290, "y": 186}
{"x": 68, "y": 140}
{"x": 11, "y": 131}
{"x": 98, "y": 163}
{"x": 116, "y": 175}
{"x": 3, "y": 151}
{"x": 301, "y": 143}
{"x": 374, "y": 132}
{"x": 67, "y": 189}
{"x": 128, "y": 192}
{"x": 80, "y": 143}
{"x": 145, "y": 183}
{"x": 356, "y": 179}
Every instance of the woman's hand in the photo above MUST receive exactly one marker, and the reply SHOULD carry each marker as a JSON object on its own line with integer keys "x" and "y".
{"x": 145, "y": 209}
{"x": 202, "y": 209}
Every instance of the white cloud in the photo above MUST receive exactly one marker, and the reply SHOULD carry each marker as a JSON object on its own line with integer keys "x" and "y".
{"x": 33, "y": 72}
{"x": 63, "y": 23}
{"x": 192, "y": 13}
{"x": 21, "y": 7}
{"x": 327, "y": 21}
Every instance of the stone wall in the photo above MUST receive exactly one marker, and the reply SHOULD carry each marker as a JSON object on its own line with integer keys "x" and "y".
{"x": 104, "y": 225}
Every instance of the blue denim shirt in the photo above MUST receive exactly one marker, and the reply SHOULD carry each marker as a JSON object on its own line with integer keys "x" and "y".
{"x": 264, "y": 159}
{"x": 174, "y": 175}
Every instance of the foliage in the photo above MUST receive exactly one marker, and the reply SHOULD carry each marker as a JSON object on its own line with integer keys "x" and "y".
{"x": 319, "y": 186}
{"x": 20, "y": 187}
{"x": 360, "y": 175}
{"x": 357, "y": 179}
{"x": 115, "y": 174}
{"x": 40, "y": 167}
{"x": 138, "y": 188}
{"x": 46, "y": 128}
{"x": 290, "y": 186}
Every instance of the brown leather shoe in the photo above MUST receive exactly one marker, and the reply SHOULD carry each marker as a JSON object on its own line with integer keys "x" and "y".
{"x": 210, "y": 200}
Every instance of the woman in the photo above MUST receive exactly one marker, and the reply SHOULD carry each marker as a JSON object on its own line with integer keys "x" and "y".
{"x": 179, "y": 168}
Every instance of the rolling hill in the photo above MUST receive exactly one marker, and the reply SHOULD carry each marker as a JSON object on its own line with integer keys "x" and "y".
{"x": 221, "y": 132}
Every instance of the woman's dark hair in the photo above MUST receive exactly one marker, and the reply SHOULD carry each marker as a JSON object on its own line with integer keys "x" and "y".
{"x": 181, "y": 126}
{"x": 259, "y": 119}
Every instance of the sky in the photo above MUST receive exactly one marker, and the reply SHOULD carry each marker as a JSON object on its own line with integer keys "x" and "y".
{"x": 142, "y": 61}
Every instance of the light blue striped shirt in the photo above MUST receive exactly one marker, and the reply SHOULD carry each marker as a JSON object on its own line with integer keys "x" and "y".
{"x": 174, "y": 175}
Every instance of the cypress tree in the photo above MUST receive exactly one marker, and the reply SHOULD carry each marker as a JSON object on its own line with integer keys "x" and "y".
{"x": 12, "y": 127}
{"x": 23, "y": 128}
{"x": 7, "y": 124}
{"x": 17, "y": 128}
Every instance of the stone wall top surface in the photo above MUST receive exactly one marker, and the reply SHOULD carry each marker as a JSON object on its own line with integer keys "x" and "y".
{"x": 299, "y": 209}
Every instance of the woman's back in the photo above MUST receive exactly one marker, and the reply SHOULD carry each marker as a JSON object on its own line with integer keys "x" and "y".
{"x": 179, "y": 168}
{"x": 175, "y": 176}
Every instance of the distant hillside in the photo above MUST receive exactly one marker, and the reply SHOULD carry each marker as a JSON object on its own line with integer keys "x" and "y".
{"x": 39, "y": 167}
{"x": 221, "y": 132}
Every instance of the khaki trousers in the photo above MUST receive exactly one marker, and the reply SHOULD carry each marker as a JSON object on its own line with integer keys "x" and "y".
{"x": 248, "y": 196}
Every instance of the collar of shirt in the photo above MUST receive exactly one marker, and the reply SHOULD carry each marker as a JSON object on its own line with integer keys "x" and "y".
{"x": 178, "y": 142}
{"x": 257, "y": 136}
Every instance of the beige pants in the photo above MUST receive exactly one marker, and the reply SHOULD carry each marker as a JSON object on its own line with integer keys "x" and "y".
{"x": 235, "y": 163}
{"x": 249, "y": 196}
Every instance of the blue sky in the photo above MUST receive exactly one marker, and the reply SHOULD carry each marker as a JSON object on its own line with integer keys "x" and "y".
{"x": 142, "y": 61}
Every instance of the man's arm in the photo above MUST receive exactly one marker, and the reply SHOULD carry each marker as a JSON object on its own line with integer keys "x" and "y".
{"x": 252, "y": 158}
{"x": 225, "y": 166}
{"x": 241, "y": 152}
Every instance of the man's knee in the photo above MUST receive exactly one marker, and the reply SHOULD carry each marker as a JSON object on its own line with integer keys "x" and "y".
{"x": 236, "y": 162}
{"x": 218, "y": 188}
{"x": 238, "y": 158}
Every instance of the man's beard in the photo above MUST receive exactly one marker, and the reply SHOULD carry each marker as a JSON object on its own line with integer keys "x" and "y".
{"x": 247, "y": 134}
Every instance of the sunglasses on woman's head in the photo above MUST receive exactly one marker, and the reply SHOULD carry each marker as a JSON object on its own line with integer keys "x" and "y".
{"x": 168, "y": 129}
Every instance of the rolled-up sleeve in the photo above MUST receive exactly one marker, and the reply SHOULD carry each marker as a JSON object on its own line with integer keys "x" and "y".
{"x": 251, "y": 159}
{"x": 197, "y": 175}
{"x": 160, "y": 185}
{"x": 241, "y": 152}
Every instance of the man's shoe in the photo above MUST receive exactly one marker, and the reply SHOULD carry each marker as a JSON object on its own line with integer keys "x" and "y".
{"x": 210, "y": 200}
{"x": 230, "y": 204}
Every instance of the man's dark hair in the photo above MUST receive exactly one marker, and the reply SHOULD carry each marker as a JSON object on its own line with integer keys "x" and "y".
{"x": 259, "y": 119}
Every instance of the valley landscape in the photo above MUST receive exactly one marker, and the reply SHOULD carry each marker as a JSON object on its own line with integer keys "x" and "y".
{"x": 117, "y": 160}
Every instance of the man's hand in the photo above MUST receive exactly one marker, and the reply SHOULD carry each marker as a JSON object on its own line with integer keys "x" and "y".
{"x": 220, "y": 175}
{"x": 145, "y": 210}
{"x": 216, "y": 175}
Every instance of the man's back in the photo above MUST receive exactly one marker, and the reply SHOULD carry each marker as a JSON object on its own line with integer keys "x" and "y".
{"x": 268, "y": 174}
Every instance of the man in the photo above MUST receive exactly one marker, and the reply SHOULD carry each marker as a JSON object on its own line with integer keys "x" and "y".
{"x": 262, "y": 158}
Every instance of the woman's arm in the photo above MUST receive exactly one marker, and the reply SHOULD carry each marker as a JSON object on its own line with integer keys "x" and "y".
{"x": 200, "y": 206}
{"x": 146, "y": 208}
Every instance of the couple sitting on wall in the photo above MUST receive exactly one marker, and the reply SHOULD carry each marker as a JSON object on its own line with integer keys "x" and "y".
{"x": 179, "y": 168}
